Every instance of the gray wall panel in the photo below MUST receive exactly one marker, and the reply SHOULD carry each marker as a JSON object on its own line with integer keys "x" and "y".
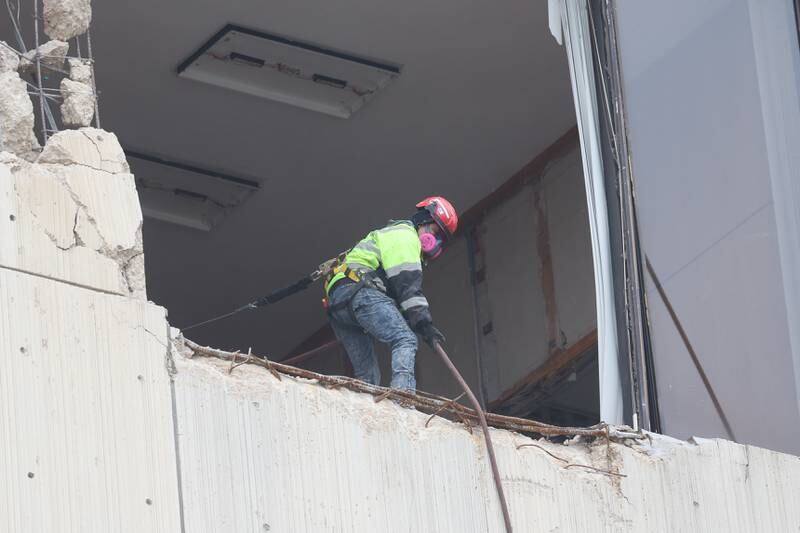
{"x": 705, "y": 206}
{"x": 727, "y": 301}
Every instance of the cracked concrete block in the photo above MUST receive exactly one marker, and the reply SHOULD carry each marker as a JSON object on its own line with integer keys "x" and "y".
{"x": 89, "y": 147}
{"x": 65, "y": 19}
{"x": 50, "y": 204}
{"x": 16, "y": 117}
{"x": 38, "y": 232}
{"x": 80, "y": 70}
{"x": 73, "y": 223}
{"x": 51, "y": 54}
{"x": 77, "y": 107}
{"x": 111, "y": 202}
{"x": 9, "y": 60}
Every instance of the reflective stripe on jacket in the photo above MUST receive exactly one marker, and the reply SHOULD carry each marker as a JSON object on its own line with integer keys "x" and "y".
{"x": 394, "y": 254}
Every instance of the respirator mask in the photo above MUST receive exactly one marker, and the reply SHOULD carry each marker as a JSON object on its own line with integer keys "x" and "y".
{"x": 432, "y": 245}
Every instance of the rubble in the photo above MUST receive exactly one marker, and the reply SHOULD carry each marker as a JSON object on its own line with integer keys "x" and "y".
{"x": 51, "y": 54}
{"x": 80, "y": 70}
{"x": 77, "y": 106}
{"x": 16, "y": 117}
{"x": 65, "y": 19}
{"x": 9, "y": 59}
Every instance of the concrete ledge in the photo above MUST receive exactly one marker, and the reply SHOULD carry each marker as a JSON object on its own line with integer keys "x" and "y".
{"x": 306, "y": 458}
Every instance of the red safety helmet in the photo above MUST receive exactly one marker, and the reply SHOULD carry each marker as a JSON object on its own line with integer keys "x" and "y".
{"x": 442, "y": 212}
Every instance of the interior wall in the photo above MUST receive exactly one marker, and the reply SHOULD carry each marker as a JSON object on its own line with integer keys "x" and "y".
{"x": 516, "y": 299}
{"x": 516, "y": 271}
{"x": 703, "y": 164}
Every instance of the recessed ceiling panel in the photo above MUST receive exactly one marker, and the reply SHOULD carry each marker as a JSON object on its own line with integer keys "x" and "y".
{"x": 288, "y": 71}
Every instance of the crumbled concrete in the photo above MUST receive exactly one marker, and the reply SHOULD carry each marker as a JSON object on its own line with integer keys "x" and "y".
{"x": 51, "y": 54}
{"x": 16, "y": 117}
{"x": 77, "y": 107}
{"x": 65, "y": 19}
{"x": 9, "y": 59}
{"x": 88, "y": 147}
{"x": 80, "y": 70}
{"x": 77, "y": 214}
{"x": 12, "y": 162}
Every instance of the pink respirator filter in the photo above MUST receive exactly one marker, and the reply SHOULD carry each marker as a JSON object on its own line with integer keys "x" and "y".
{"x": 431, "y": 246}
{"x": 428, "y": 241}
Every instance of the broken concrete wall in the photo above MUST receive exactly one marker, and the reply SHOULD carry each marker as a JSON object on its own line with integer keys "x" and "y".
{"x": 259, "y": 454}
{"x": 74, "y": 215}
{"x": 86, "y": 428}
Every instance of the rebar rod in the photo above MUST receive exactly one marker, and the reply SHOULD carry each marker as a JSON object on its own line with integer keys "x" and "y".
{"x": 94, "y": 81}
{"x": 39, "y": 69}
{"x": 422, "y": 400}
{"x": 498, "y": 483}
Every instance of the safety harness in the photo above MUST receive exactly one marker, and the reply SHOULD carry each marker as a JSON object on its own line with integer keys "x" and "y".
{"x": 362, "y": 279}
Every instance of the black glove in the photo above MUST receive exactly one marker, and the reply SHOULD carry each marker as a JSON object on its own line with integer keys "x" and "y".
{"x": 430, "y": 334}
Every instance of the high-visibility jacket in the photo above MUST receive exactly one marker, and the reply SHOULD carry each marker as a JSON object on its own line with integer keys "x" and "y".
{"x": 393, "y": 256}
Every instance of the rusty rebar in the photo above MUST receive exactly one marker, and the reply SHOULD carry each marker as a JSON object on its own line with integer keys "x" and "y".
{"x": 421, "y": 400}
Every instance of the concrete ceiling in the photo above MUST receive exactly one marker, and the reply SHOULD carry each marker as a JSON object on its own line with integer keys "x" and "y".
{"x": 484, "y": 89}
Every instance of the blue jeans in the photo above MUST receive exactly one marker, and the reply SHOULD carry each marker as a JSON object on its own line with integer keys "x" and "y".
{"x": 372, "y": 314}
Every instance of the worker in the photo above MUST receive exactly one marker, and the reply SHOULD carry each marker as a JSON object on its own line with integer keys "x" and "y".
{"x": 376, "y": 292}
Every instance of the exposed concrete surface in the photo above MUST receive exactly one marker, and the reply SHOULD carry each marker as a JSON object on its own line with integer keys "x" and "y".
{"x": 51, "y": 54}
{"x": 86, "y": 433}
{"x": 301, "y": 457}
{"x": 80, "y": 70}
{"x": 89, "y": 147}
{"x": 77, "y": 107}
{"x": 16, "y": 117}
{"x": 65, "y": 19}
{"x": 9, "y": 60}
{"x": 74, "y": 215}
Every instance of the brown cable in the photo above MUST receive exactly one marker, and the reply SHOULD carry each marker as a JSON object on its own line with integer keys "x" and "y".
{"x": 482, "y": 417}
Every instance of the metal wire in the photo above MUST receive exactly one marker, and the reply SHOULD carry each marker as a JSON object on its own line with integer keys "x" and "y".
{"x": 39, "y": 64}
{"x": 498, "y": 482}
{"x": 39, "y": 68}
{"x": 94, "y": 85}
{"x": 14, "y": 16}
